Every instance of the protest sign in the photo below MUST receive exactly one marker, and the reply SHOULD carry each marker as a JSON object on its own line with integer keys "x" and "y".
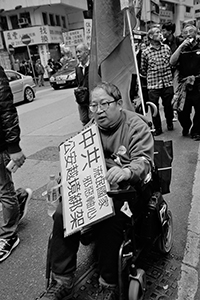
{"x": 84, "y": 187}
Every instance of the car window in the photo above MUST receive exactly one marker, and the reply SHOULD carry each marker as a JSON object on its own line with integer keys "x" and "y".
{"x": 12, "y": 76}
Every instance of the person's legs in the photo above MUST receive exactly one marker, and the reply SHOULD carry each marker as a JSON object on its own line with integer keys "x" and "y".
{"x": 154, "y": 97}
{"x": 184, "y": 116}
{"x": 8, "y": 231}
{"x": 195, "y": 100}
{"x": 9, "y": 200}
{"x": 167, "y": 95}
{"x": 63, "y": 259}
{"x": 39, "y": 80}
{"x": 109, "y": 237}
{"x": 84, "y": 114}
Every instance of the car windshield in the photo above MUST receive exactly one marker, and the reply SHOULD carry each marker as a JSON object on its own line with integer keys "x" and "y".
{"x": 70, "y": 65}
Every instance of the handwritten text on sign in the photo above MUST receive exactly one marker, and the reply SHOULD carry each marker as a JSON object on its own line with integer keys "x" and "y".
{"x": 84, "y": 187}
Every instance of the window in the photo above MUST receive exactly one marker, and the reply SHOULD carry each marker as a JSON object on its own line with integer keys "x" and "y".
{"x": 26, "y": 16}
{"x": 57, "y": 20}
{"x": 51, "y": 18}
{"x": 14, "y": 22}
{"x": 187, "y": 9}
{"x": 3, "y": 23}
{"x": 45, "y": 18}
{"x": 63, "y": 22}
{"x": 12, "y": 76}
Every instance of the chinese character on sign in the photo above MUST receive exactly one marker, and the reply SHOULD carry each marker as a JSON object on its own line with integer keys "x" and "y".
{"x": 84, "y": 188}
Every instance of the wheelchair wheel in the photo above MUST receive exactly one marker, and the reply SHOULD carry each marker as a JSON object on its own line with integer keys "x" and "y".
{"x": 137, "y": 286}
{"x": 165, "y": 240}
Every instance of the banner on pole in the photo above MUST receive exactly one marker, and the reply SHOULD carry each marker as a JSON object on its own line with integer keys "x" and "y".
{"x": 84, "y": 188}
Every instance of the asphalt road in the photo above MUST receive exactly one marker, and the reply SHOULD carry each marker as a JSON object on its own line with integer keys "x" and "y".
{"x": 47, "y": 122}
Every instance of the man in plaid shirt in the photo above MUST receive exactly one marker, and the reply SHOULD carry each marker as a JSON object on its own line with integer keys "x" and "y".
{"x": 156, "y": 67}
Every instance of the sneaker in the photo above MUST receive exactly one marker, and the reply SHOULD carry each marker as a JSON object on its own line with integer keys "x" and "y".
{"x": 6, "y": 246}
{"x": 106, "y": 293}
{"x": 23, "y": 197}
{"x": 58, "y": 290}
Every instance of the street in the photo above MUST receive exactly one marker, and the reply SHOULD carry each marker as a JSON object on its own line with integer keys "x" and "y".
{"x": 45, "y": 123}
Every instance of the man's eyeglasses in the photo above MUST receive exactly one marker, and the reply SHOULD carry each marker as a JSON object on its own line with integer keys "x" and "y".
{"x": 103, "y": 106}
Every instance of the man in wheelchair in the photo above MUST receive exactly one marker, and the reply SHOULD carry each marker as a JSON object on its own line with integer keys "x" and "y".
{"x": 128, "y": 148}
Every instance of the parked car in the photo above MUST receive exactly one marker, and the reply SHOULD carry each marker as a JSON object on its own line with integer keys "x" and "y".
{"x": 65, "y": 77}
{"x": 22, "y": 86}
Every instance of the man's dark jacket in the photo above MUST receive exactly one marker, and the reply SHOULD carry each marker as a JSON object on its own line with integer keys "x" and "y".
{"x": 9, "y": 123}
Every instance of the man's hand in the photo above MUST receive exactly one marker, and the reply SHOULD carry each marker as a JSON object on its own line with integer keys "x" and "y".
{"x": 18, "y": 158}
{"x": 185, "y": 43}
{"x": 117, "y": 174}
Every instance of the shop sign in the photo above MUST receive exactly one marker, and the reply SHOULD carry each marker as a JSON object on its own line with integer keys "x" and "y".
{"x": 38, "y": 35}
{"x": 88, "y": 31}
{"x": 73, "y": 38}
{"x": 84, "y": 187}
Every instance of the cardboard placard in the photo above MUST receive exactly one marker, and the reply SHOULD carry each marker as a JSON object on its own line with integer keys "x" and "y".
{"x": 84, "y": 187}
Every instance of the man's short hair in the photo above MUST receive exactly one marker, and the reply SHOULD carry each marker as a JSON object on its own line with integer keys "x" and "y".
{"x": 190, "y": 25}
{"x": 190, "y": 22}
{"x": 111, "y": 89}
{"x": 169, "y": 26}
{"x": 151, "y": 31}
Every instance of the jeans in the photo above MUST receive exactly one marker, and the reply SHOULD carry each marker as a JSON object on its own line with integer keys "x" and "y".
{"x": 108, "y": 237}
{"x": 40, "y": 79}
{"x": 84, "y": 114}
{"x": 166, "y": 95}
{"x": 8, "y": 199}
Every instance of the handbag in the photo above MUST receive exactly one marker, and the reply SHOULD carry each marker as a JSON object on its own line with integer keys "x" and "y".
{"x": 82, "y": 95}
{"x": 163, "y": 157}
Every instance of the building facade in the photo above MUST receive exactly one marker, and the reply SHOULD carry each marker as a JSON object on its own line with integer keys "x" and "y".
{"x": 44, "y": 21}
{"x": 161, "y": 11}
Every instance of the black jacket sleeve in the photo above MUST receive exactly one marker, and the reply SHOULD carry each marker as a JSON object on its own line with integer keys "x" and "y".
{"x": 9, "y": 122}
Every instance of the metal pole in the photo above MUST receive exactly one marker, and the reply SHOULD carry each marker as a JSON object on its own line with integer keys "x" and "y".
{"x": 135, "y": 59}
{"x": 29, "y": 54}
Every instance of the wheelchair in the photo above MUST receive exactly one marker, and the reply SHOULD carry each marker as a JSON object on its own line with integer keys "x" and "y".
{"x": 151, "y": 225}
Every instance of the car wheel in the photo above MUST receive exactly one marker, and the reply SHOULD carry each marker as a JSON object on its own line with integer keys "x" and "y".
{"x": 29, "y": 94}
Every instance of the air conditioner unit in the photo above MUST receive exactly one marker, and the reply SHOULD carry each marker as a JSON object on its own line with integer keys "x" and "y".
{"x": 22, "y": 21}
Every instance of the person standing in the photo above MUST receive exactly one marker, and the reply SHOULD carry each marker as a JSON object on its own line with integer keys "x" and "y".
{"x": 187, "y": 59}
{"x": 13, "y": 210}
{"x": 82, "y": 79}
{"x": 40, "y": 72}
{"x": 168, "y": 30}
{"x": 155, "y": 65}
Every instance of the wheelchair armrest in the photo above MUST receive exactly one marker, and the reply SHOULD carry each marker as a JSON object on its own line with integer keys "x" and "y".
{"x": 122, "y": 193}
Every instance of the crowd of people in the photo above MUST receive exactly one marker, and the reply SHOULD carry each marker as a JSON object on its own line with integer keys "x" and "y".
{"x": 168, "y": 66}
{"x": 170, "y": 70}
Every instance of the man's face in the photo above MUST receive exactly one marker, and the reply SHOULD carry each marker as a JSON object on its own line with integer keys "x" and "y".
{"x": 108, "y": 116}
{"x": 189, "y": 32}
{"x": 82, "y": 54}
{"x": 156, "y": 35}
{"x": 166, "y": 33}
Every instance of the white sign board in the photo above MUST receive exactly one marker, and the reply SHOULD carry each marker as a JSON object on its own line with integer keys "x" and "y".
{"x": 73, "y": 37}
{"x": 38, "y": 34}
{"x": 84, "y": 187}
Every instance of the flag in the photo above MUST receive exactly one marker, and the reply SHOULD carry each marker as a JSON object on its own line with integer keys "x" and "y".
{"x": 111, "y": 56}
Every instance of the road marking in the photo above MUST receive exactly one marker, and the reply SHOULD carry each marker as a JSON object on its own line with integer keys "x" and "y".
{"x": 188, "y": 283}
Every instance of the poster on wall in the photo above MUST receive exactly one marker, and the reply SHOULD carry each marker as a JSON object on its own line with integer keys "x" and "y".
{"x": 88, "y": 31}
{"x": 84, "y": 187}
